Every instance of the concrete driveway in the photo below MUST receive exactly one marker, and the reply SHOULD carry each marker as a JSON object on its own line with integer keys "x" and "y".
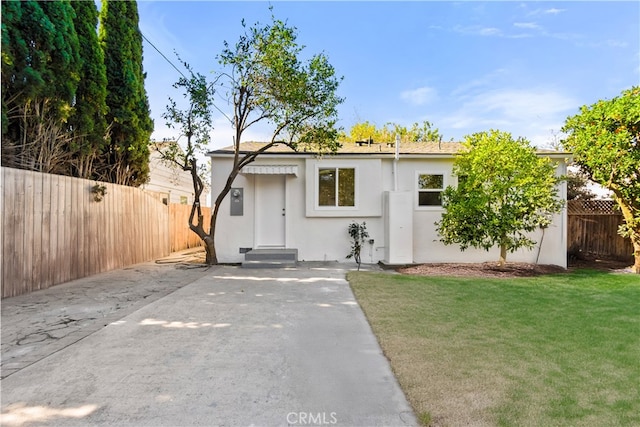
{"x": 234, "y": 347}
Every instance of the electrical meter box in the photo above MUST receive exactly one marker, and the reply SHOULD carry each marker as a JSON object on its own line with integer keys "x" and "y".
{"x": 237, "y": 201}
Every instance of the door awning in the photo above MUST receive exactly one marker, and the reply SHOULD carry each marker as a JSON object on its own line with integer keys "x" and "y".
{"x": 270, "y": 170}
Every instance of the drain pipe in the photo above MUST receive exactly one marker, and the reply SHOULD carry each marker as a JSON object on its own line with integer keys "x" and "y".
{"x": 395, "y": 163}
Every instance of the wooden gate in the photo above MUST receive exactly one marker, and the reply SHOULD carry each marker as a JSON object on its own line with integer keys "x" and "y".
{"x": 593, "y": 229}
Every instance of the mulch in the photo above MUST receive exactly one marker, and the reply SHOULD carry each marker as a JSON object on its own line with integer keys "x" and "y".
{"x": 511, "y": 269}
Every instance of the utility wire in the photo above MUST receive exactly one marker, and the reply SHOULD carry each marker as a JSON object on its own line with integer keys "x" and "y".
{"x": 163, "y": 55}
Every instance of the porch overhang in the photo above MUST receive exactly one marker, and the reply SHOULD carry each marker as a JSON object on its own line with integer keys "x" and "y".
{"x": 270, "y": 170}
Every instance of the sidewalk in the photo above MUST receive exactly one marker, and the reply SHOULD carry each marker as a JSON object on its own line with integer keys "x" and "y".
{"x": 223, "y": 346}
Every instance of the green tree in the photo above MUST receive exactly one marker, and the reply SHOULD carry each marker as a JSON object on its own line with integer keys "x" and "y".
{"x": 605, "y": 141}
{"x": 40, "y": 63}
{"x": 504, "y": 191}
{"x": 24, "y": 28}
{"x": 63, "y": 58}
{"x": 577, "y": 186}
{"x": 424, "y": 133}
{"x": 194, "y": 125}
{"x": 267, "y": 81}
{"x": 389, "y": 131}
{"x": 87, "y": 120}
{"x": 358, "y": 233}
{"x": 127, "y": 155}
{"x": 362, "y": 131}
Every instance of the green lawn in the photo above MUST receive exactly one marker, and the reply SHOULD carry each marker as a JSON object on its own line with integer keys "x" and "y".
{"x": 557, "y": 350}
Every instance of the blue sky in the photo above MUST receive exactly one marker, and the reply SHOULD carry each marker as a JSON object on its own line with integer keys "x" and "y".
{"x": 521, "y": 67}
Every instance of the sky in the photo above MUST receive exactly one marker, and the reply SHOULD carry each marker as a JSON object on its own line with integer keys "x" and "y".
{"x": 466, "y": 67}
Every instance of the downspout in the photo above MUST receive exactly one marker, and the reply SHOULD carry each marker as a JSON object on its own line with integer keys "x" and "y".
{"x": 395, "y": 163}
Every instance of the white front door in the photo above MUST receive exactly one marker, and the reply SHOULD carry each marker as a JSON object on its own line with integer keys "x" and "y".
{"x": 270, "y": 211}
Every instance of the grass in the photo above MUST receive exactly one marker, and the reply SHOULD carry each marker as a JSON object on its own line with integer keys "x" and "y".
{"x": 557, "y": 350}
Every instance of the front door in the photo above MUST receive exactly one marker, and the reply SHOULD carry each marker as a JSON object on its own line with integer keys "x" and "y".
{"x": 270, "y": 211}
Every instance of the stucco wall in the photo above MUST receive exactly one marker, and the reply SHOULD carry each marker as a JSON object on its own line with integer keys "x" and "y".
{"x": 232, "y": 232}
{"x": 322, "y": 234}
{"x": 317, "y": 234}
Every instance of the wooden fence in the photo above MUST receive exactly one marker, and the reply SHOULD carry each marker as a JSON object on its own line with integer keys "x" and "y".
{"x": 593, "y": 229}
{"x": 53, "y": 230}
{"x": 181, "y": 235}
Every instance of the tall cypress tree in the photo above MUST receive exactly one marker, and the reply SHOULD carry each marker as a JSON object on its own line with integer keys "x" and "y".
{"x": 40, "y": 63}
{"x": 63, "y": 66}
{"x": 27, "y": 35}
{"x": 88, "y": 120}
{"x": 14, "y": 47}
{"x": 127, "y": 155}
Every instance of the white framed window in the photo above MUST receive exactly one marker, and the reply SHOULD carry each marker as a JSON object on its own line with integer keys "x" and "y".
{"x": 429, "y": 189}
{"x": 336, "y": 187}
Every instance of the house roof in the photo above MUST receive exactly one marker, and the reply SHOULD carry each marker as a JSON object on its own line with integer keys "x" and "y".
{"x": 363, "y": 148}
{"x": 354, "y": 148}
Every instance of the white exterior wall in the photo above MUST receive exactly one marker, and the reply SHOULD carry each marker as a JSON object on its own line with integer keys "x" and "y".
{"x": 232, "y": 232}
{"x": 318, "y": 233}
{"x": 321, "y": 234}
{"x": 171, "y": 181}
{"x": 428, "y": 249}
{"x": 398, "y": 227}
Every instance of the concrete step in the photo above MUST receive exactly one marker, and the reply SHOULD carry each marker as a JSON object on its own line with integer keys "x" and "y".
{"x": 268, "y": 264}
{"x": 270, "y": 258}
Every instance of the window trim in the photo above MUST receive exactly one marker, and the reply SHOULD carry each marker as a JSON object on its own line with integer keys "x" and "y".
{"x": 336, "y": 167}
{"x": 418, "y": 190}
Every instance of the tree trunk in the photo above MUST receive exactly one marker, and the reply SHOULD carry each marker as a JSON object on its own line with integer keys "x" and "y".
{"x": 212, "y": 256}
{"x": 207, "y": 238}
{"x": 634, "y": 230}
{"x": 210, "y": 249}
{"x": 636, "y": 254}
{"x": 503, "y": 255}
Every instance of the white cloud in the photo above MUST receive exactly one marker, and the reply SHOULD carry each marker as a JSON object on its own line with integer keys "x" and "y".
{"x": 530, "y": 113}
{"x": 609, "y": 43}
{"x": 498, "y": 74}
{"x": 470, "y": 121}
{"x": 489, "y": 31}
{"x": 476, "y": 30}
{"x": 550, "y": 11}
{"x": 553, "y": 11}
{"x": 527, "y": 25}
{"x": 523, "y": 102}
{"x": 419, "y": 96}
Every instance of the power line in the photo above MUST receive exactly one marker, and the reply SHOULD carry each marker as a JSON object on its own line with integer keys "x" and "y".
{"x": 163, "y": 55}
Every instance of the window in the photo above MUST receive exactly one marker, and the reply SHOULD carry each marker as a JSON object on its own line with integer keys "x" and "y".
{"x": 430, "y": 189}
{"x": 337, "y": 187}
{"x": 183, "y": 200}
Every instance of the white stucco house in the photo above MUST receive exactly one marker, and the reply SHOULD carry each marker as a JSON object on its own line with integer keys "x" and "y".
{"x": 172, "y": 183}
{"x": 298, "y": 200}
